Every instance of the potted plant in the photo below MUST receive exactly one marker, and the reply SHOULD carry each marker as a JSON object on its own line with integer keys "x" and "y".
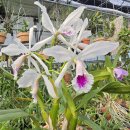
{"x": 23, "y": 34}
{"x": 8, "y": 20}
{"x": 2, "y": 36}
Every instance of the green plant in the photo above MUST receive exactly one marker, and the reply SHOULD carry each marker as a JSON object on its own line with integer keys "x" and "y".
{"x": 95, "y": 22}
{"x": 24, "y": 26}
{"x": 124, "y": 36}
{"x": 60, "y": 105}
{"x": 10, "y": 18}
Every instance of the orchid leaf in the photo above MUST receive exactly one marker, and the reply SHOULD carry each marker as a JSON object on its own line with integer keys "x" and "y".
{"x": 73, "y": 123}
{"x": 35, "y": 121}
{"x": 100, "y": 75}
{"x": 42, "y": 106}
{"x": 69, "y": 99}
{"x": 117, "y": 87}
{"x": 71, "y": 110}
{"x": 11, "y": 114}
{"x": 54, "y": 112}
{"x": 89, "y": 122}
{"x": 6, "y": 73}
{"x": 108, "y": 62}
{"x": 90, "y": 95}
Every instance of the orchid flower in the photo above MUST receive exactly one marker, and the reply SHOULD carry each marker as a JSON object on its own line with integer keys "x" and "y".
{"x": 83, "y": 80}
{"x": 19, "y": 48}
{"x": 120, "y": 73}
{"x": 31, "y": 78}
{"x": 65, "y": 28}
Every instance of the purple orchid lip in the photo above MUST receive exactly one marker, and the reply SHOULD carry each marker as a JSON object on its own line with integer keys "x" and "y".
{"x": 69, "y": 33}
{"x": 82, "y": 80}
{"x": 120, "y": 73}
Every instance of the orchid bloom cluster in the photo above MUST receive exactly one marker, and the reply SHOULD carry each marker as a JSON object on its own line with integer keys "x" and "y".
{"x": 75, "y": 29}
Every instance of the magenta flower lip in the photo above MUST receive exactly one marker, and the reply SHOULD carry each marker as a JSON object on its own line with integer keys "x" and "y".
{"x": 82, "y": 80}
{"x": 120, "y": 73}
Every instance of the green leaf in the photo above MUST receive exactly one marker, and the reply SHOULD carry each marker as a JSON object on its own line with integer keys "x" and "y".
{"x": 69, "y": 99}
{"x": 85, "y": 98}
{"x": 100, "y": 74}
{"x": 11, "y": 114}
{"x": 42, "y": 107}
{"x": 71, "y": 114}
{"x": 6, "y": 73}
{"x": 117, "y": 87}
{"x": 9, "y": 111}
{"x": 35, "y": 121}
{"x": 108, "y": 62}
{"x": 90, "y": 123}
{"x": 54, "y": 112}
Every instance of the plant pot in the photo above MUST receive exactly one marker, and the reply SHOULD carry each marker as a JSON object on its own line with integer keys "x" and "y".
{"x": 23, "y": 36}
{"x": 67, "y": 77}
{"x": 2, "y": 37}
{"x": 86, "y": 40}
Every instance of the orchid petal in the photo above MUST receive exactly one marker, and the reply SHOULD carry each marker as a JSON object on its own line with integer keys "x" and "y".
{"x": 42, "y": 63}
{"x": 49, "y": 86}
{"x": 62, "y": 73}
{"x": 68, "y": 31}
{"x": 83, "y": 81}
{"x": 77, "y": 25}
{"x": 35, "y": 64}
{"x": 38, "y": 45}
{"x": 31, "y": 35}
{"x": 82, "y": 29}
{"x": 46, "y": 22}
{"x": 82, "y": 45}
{"x": 120, "y": 73}
{"x": 60, "y": 37}
{"x": 60, "y": 53}
{"x": 79, "y": 68}
{"x": 28, "y": 78}
{"x": 17, "y": 64}
{"x": 86, "y": 34}
{"x": 72, "y": 17}
{"x": 35, "y": 87}
{"x": 21, "y": 46}
{"x": 11, "y": 50}
{"x": 97, "y": 49}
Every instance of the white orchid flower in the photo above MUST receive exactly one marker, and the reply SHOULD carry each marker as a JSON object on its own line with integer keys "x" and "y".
{"x": 66, "y": 27}
{"x": 18, "y": 48}
{"x": 30, "y": 78}
{"x": 83, "y": 80}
